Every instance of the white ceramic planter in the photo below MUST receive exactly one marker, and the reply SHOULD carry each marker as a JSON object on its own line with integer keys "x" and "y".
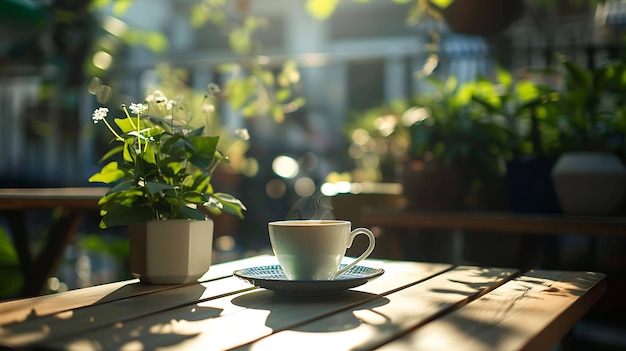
{"x": 589, "y": 183}
{"x": 170, "y": 251}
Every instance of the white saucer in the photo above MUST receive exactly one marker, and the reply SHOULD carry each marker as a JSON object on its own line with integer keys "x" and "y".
{"x": 274, "y": 278}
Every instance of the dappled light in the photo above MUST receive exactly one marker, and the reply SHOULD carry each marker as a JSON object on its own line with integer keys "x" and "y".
{"x": 457, "y": 131}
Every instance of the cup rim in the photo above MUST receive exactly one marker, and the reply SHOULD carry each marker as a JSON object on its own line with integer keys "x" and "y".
{"x": 300, "y": 222}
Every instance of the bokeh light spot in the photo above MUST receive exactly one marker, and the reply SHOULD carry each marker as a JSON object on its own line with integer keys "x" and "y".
{"x": 328, "y": 189}
{"x": 305, "y": 186}
{"x": 414, "y": 115}
{"x": 360, "y": 136}
{"x": 250, "y": 167}
{"x": 308, "y": 161}
{"x": 225, "y": 243}
{"x": 102, "y": 60}
{"x": 285, "y": 166}
{"x": 276, "y": 188}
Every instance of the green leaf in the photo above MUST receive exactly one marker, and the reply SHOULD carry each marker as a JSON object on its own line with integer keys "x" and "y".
{"x": 321, "y": 9}
{"x": 442, "y": 4}
{"x": 230, "y": 204}
{"x": 125, "y": 125}
{"x": 240, "y": 40}
{"x": 240, "y": 91}
{"x": 201, "y": 182}
{"x": 8, "y": 256}
{"x": 192, "y": 213}
{"x": 118, "y": 215}
{"x": 171, "y": 166}
{"x": 109, "y": 245}
{"x": 197, "y": 15}
{"x": 128, "y": 197}
{"x": 156, "y": 41}
{"x": 109, "y": 174}
{"x": 194, "y": 197}
{"x": 450, "y": 85}
{"x": 282, "y": 95}
{"x": 129, "y": 150}
{"x": 121, "y": 187}
{"x": 120, "y": 7}
{"x": 196, "y": 132}
{"x": 169, "y": 142}
{"x": 203, "y": 152}
{"x": 504, "y": 77}
{"x": 148, "y": 154}
{"x": 577, "y": 75}
{"x": 154, "y": 188}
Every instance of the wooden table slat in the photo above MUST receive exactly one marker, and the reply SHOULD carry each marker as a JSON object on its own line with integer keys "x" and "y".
{"x": 20, "y": 309}
{"x": 29, "y": 198}
{"x": 231, "y": 321}
{"x": 531, "y": 312}
{"x": 67, "y": 323}
{"x": 376, "y": 322}
{"x": 414, "y": 305}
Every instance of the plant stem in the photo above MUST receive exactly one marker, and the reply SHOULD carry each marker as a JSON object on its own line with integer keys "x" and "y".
{"x": 117, "y": 136}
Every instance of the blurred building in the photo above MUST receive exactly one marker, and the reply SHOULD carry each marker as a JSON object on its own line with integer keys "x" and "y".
{"x": 363, "y": 55}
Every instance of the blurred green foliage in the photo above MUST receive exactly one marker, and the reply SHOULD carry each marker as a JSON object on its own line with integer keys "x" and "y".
{"x": 11, "y": 278}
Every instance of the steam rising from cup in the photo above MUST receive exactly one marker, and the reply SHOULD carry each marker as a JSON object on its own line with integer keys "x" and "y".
{"x": 312, "y": 207}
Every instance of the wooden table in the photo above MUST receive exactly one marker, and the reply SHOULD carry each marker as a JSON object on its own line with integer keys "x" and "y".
{"x": 503, "y": 223}
{"x": 412, "y": 306}
{"x": 71, "y": 202}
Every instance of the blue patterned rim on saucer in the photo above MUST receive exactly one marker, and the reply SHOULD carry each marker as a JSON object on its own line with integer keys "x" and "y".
{"x": 274, "y": 278}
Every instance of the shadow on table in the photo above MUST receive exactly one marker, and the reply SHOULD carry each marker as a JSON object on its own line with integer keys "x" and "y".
{"x": 302, "y": 313}
{"x": 112, "y": 320}
{"x": 481, "y": 325}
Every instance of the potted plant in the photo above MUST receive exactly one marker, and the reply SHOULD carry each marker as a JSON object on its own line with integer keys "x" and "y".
{"x": 455, "y": 146}
{"x": 448, "y": 150}
{"x": 528, "y": 110}
{"x": 161, "y": 173}
{"x": 590, "y": 177}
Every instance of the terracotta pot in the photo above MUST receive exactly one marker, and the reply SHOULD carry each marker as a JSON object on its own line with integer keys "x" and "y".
{"x": 589, "y": 183}
{"x": 170, "y": 251}
{"x": 433, "y": 185}
{"x": 482, "y": 17}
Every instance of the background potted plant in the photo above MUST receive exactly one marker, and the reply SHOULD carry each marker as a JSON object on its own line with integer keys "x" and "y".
{"x": 162, "y": 171}
{"x": 529, "y": 111}
{"x": 441, "y": 145}
{"x": 590, "y": 177}
{"x": 455, "y": 150}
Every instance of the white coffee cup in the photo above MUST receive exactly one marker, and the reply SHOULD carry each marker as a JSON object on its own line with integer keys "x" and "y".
{"x": 313, "y": 249}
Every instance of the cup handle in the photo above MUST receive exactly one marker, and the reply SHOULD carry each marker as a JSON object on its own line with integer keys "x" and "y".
{"x": 364, "y": 255}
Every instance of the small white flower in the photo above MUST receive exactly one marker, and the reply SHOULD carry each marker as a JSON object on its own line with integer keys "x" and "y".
{"x": 170, "y": 104}
{"x": 214, "y": 88}
{"x": 137, "y": 109}
{"x": 206, "y": 108}
{"x": 242, "y": 134}
{"x": 99, "y": 114}
{"x": 157, "y": 96}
